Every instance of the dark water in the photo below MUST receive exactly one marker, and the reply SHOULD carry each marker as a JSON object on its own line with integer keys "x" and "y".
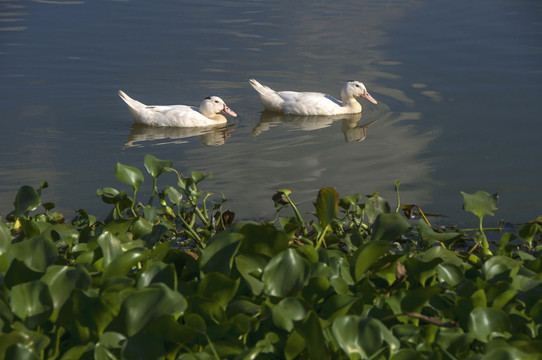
{"x": 458, "y": 84}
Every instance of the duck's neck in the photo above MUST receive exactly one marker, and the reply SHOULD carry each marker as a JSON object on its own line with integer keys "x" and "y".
{"x": 350, "y": 104}
{"x": 218, "y": 118}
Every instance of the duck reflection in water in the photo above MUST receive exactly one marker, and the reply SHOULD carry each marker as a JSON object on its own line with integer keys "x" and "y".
{"x": 349, "y": 125}
{"x": 209, "y": 135}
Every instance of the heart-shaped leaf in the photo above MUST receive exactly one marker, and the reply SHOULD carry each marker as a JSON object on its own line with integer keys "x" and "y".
{"x": 147, "y": 304}
{"x": 389, "y": 227}
{"x": 362, "y": 337}
{"x": 366, "y": 256}
{"x": 31, "y": 302}
{"x": 287, "y": 311}
{"x": 327, "y": 203}
{"x": 129, "y": 175}
{"x": 485, "y": 323}
{"x": 157, "y": 167}
{"x": 285, "y": 274}
{"x": 480, "y": 203}
{"x": 27, "y": 199}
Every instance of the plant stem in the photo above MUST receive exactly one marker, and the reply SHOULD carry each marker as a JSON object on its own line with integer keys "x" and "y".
{"x": 297, "y": 215}
{"x": 321, "y": 237}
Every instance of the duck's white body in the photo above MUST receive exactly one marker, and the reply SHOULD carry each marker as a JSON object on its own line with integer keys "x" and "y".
{"x": 208, "y": 113}
{"x": 313, "y": 103}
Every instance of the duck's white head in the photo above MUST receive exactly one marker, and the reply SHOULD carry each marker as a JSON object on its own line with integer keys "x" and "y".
{"x": 213, "y": 105}
{"x": 356, "y": 89}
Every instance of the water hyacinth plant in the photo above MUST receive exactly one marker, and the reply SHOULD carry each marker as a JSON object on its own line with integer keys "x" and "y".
{"x": 176, "y": 278}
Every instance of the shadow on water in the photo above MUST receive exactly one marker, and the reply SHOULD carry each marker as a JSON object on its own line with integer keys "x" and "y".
{"x": 353, "y": 132}
{"x": 141, "y": 135}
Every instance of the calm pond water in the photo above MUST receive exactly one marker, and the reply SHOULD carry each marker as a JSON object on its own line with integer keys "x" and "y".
{"x": 458, "y": 83}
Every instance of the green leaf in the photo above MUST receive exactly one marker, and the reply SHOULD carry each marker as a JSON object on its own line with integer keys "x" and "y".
{"x": 432, "y": 237}
{"x": 144, "y": 305}
{"x": 31, "y": 302}
{"x": 144, "y": 346}
{"x": 500, "y": 264}
{"x": 263, "y": 239}
{"x": 219, "y": 254}
{"x": 416, "y": 299}
{"x": 129, "y": 175}
{"x": 486, "y": 323}
{"x": 199, "y": 176}
{"x": 361, "y": 337}
{"x": 111, "y": 247}
{"x": 251, "y": 269}
{"x": 389, "y": 227}
{"x": 218, "y": 287}
{"x": 311, "y": 330}
{"x": 156, "y": 167}
{"x": 174, "y": 195}
{"x": 528, "y": 231}
{"x": 366, "y": 256}
{"x": 158, "y": 273}
{"x": 286, "y": 312}
{"x": 285, "y": 274}
{"x": 61, "y": 281}
{"x": 480, "y": 203}
{"x": 27, "y": 199}
{"x": 327, "y": 203}
{"x": 37, "y": 254}
{"x": 450, "y": 273}
{"x": 123, "y": 263}
{"x": 5, "y": 238}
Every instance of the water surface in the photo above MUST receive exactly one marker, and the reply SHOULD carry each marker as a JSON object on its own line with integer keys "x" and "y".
{"x": 458, "y": 85}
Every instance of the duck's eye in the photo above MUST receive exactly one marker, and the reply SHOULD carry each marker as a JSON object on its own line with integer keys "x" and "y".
{"x": 216, "y": 101}
{"x": 357, "y": 85}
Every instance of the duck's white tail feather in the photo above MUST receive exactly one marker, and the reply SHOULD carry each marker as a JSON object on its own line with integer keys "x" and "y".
{"x": 133, "y": 104}
{"x": 269, "y": 98}
{"x": 262, "y": 89}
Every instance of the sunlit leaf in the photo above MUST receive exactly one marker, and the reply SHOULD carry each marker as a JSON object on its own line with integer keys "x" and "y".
{"x": 159, "y": 273}
{"x": 111, "y": 247}
{"x": 285, "y": 274}
{"x": 361, "y": 337}
{"x": 528, "y": 231}
{"x": 174, "y": 195}
{"x": 480, "y": 203}
{"x": 431, "y": 236}
{"x": 199, "y": 176}
{"x": 124, "y": 262}
{"x": 485, "y": 323}
{"x": 499, "y": 264}
{"x": 450, "y": 273}
{"x": 157, "y": 167}
{"x": 27, "y": 199}
{"x": 5, "y": 238}
{"x": 326, "y": 205}
{"x": 129, "y": 175}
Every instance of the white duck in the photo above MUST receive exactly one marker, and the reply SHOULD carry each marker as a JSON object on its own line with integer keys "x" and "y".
{"x": 313, "y": 103}
{"x": 208, "y": 113}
